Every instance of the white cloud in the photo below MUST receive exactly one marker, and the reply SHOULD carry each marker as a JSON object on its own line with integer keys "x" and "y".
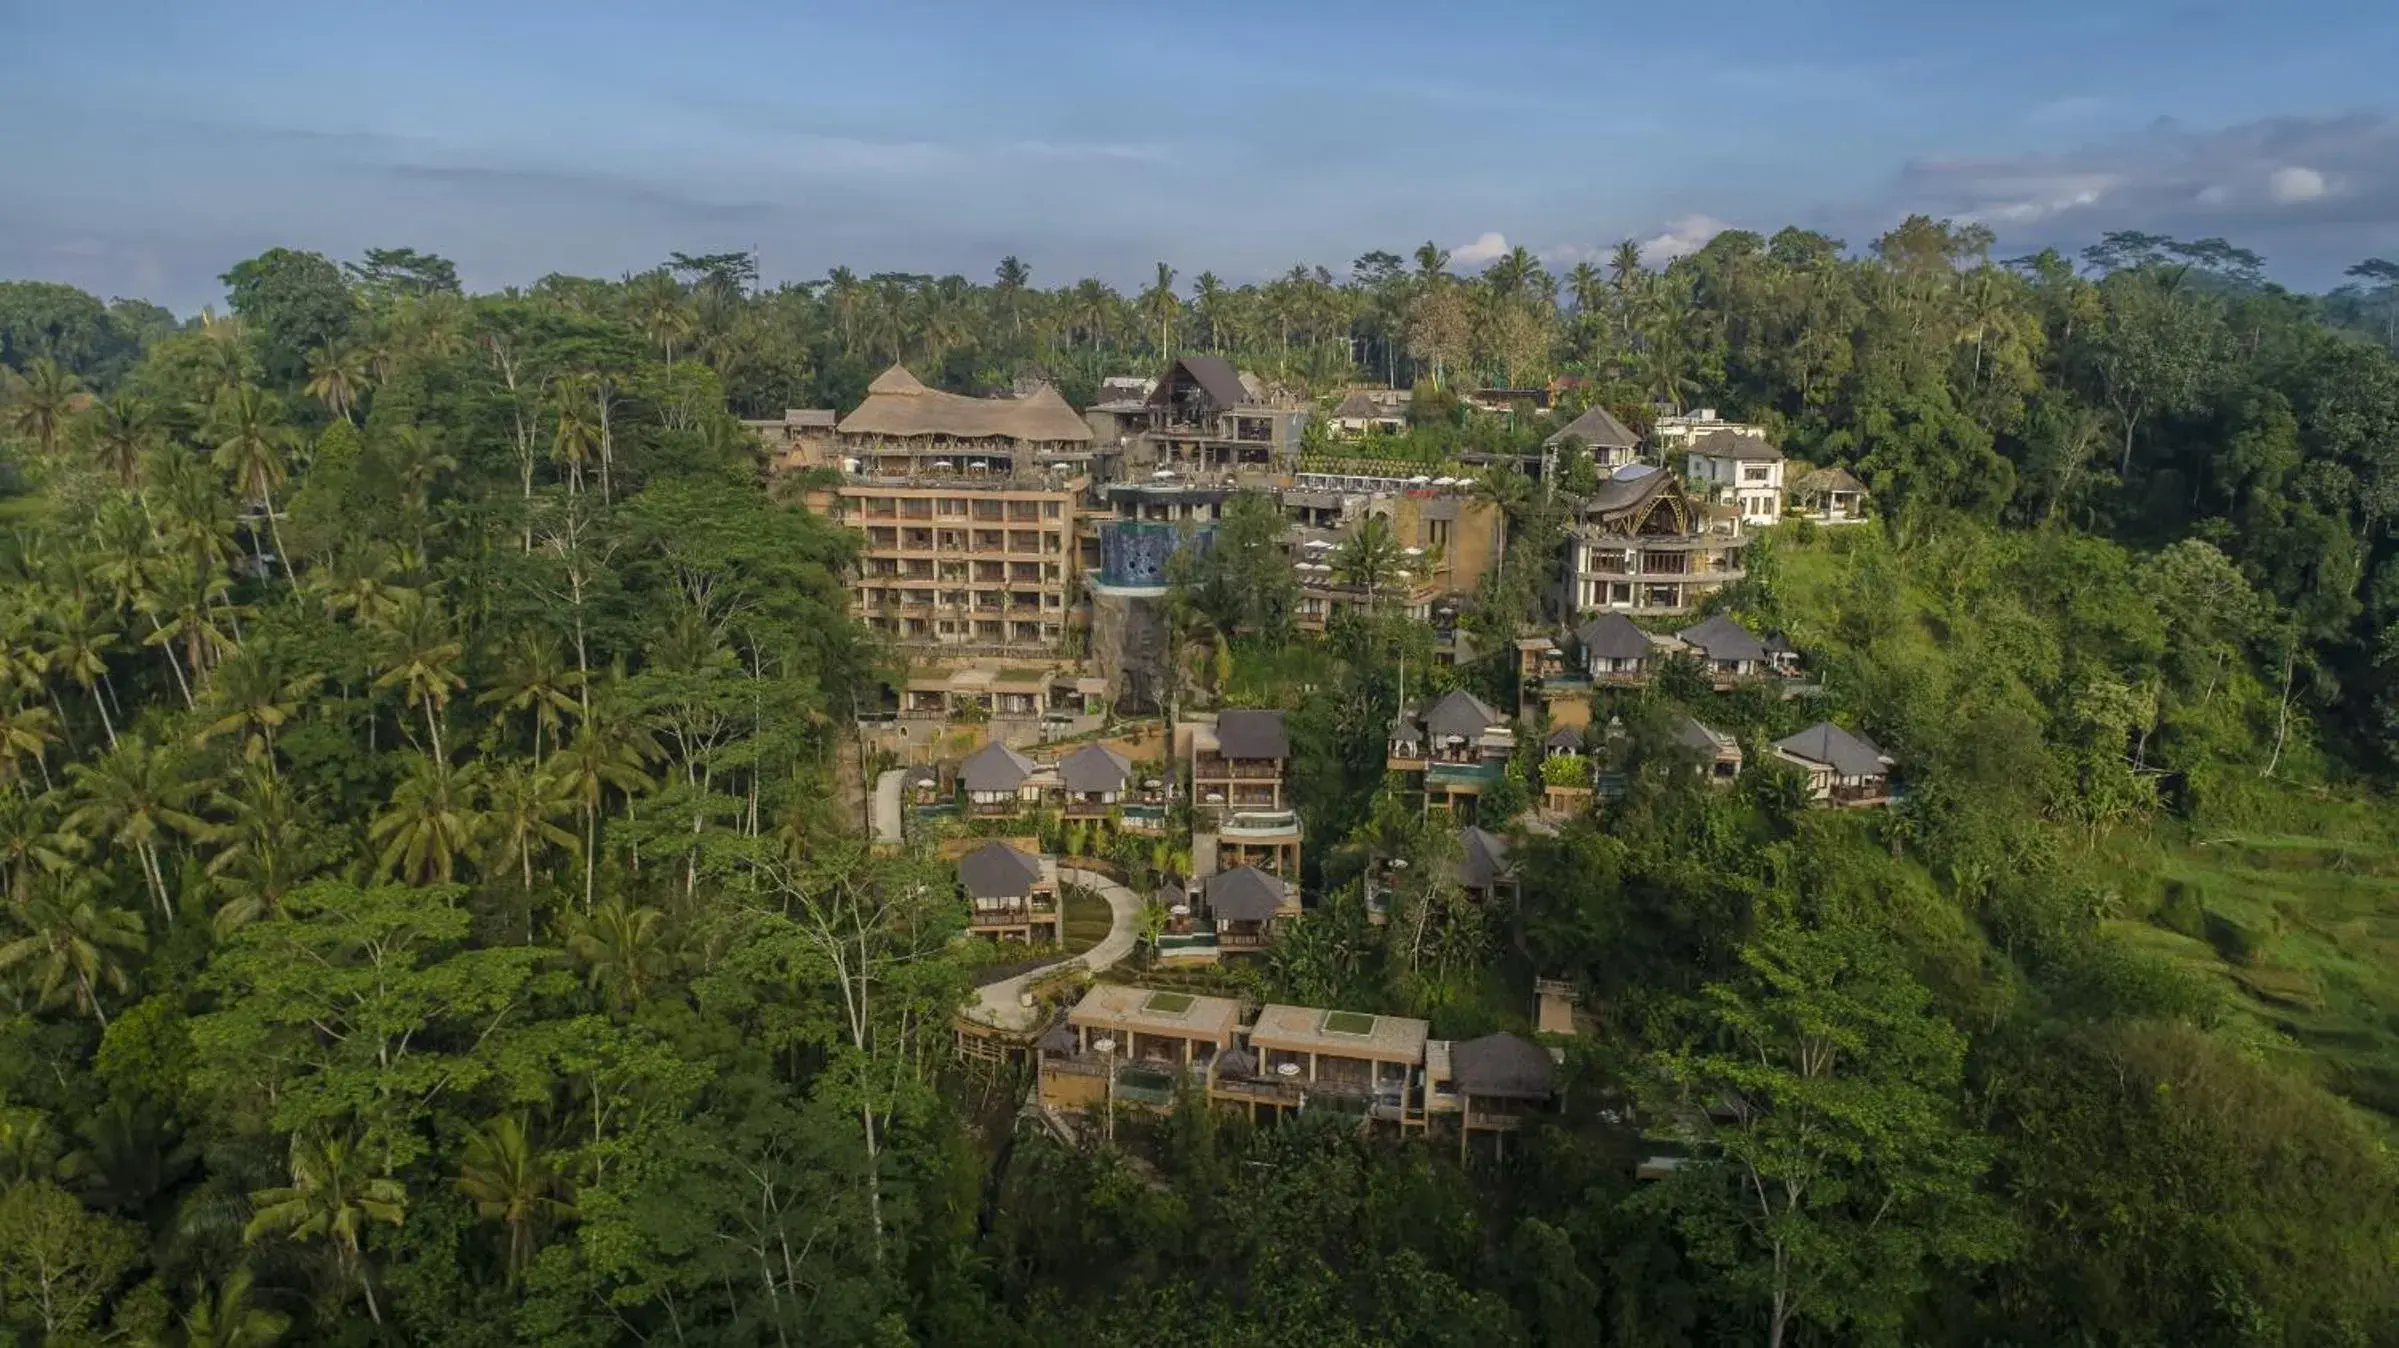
{"x": 1684, "y": 235}
{"x": 1488, "y": 247}
{"x": 2292, "y": 183}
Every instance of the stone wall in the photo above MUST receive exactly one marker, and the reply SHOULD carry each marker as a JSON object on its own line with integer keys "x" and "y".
{"x": 1128, "y": 647}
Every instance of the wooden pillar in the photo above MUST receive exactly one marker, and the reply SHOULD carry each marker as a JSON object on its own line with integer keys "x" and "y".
{"x": 1465, "y": 1110}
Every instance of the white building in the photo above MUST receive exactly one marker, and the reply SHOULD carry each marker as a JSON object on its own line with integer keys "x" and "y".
{"x": 1737, "y": 468}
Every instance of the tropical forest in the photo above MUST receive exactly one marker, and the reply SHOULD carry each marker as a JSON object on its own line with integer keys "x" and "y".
{"x": 438, "y": 902}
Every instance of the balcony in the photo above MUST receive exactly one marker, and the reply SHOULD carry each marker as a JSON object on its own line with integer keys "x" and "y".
{"x": 1210, "y": 768}
{"x": 1261, "y": 825}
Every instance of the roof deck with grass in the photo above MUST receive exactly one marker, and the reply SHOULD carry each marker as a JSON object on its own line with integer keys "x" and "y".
{"x": 1340, "y": 1034}
{"x": 1127, "y": 1009}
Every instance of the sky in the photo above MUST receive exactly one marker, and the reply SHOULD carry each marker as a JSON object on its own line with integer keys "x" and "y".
{"x": 153, "y": 143}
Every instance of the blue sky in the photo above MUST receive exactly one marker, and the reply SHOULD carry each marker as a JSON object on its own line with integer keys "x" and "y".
{"x": 153, "y": 144}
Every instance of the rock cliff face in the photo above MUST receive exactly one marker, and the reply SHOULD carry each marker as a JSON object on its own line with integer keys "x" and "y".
{"x": 1128, "y": 645}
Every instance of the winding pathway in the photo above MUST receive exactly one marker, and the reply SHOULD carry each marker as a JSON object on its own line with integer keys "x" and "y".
{"x": 1000, "y": 1006}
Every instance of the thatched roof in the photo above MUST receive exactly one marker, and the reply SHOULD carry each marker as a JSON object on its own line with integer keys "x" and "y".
{"x": 1501, "y": 1065}
{"x": 1252, "y": 733}
{"x": 1733, "y": 445}
{"x": 1482, "y": 858}
{"x": 1597, "y": 428}
{"x": 900, "y": 406}
{"x": 1824, "y": 481}
{"x": 997, "y": 871}
{"x": 995, "y": 767}
{"x": 1244, "y": 894}
{"x": 1720, "y": 638}
{"x": 1360, "y": 407}
{"x": 1460, "y": 714}
{"x": 1612, "y": 636}
{"x": 1094, "y": 767}
{"x": 1850, "y": 755}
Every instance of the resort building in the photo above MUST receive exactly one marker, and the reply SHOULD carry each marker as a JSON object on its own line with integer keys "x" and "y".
{"x": 1010, "y": 895}
{"x": 966, "y": 510}
{"x": 1729, "y": 652}
{"x": 1718, "y": 755}
{"x": 1245, "y": 903}
{"x": 1483, "y": 866}
{"x": 1616, "y": 652}
{"x": 801, "y": 438}
{"x": 1202, "y": 419}
{"x": 1736, "y": 469}
{"x": 1644, "y": 546}
{"x": 1609, "y": 442}
{"x": 1828, "y": 496}
{"x": 1240, "y": 794}
{"x": 1452, "y": 747}
{"x": 1136, "y": 1046}
{"x": 1842, "y": 766}
{"x": 1362, "y": 413}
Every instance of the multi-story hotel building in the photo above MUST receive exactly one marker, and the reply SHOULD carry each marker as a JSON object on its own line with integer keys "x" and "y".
{"x": 967, "y": 510}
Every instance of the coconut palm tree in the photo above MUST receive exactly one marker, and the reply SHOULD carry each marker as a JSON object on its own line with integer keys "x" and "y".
{"x": 227, "y": 1318}
{"x": 1368, "y": 557}
{"x": 42, "y": 402}
{"x": 1432, "y": 262}
{"x": 72, "y": 948}
{"x": 1624, "y": 269}
{"x": 534, "y": 678}
{"x": 620, "y": 946}
{"x": 228, "y": 354}
{"x": 253, "y": 696}
{"x": 260, "y": 847}
{"x": 27, "y": 730}
{"x": 421, "y": 656}
{"x": 135, "y": 796}
{"x": 605, "y": 753}
{"x": 509, "y": 1181}
{"x": 83, "y": 638}
{"x": 577, "y": 437}
{"x": 1009, "y": 281}
{"x": 337, "y": 375}
{"x": 432, "y": 821}
{"x": 32, "y": 845}
{"x": 1160, "y": 306}
{"x": 194, "y": 515}
{"x": 121, "y": 433}
{"x": 251, "y": 438}
{"x": 332, "y": 1197}
{"x": 527, "y": 804}
{"x": 185, "y": 608}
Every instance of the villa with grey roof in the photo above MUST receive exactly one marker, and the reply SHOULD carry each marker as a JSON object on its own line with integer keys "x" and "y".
{"x": 1842, "y": 766}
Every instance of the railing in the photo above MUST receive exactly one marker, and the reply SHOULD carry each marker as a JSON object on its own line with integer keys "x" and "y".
{"x": 1212, "y": 769}
{"x": 1268, "y": 824}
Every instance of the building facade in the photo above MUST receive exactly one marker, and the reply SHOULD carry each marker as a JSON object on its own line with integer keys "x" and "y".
{"x": 966, "y": 509}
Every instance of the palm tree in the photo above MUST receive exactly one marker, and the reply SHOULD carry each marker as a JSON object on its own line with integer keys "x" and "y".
{"x": 253, "y": 697}
{"x": 72, "y": 948}
{"x": 1368, "y": 557}
{"x": 228, "y": 356}
{"x": 227, "y": 1318}
{"x": 135, "y": 796}
{"x": 1624, "y": 268}
{"x": 259, "y": 860}
{"x": 847, "y": 298}
{"x": 577, "y": 437}
{"x": 195, "y": 516}
{"x": 421, "y": 656}
{"x": 535, "y": 679}
{"x": 184, "y": 608}
{"x": 526, "y": 805}
{"x": 603, "y": 754}
{"x": 509, "y": 1182}
{"x": 31, "y": 846}
{"x": 84, "y": 640}
{"x": 42, "y": 401}
{"x": 431, "y": 823}
{"x": 337, "y": 374}
{"x": 1432, "y": 263}
{"x": 251, "y": 438}
{"x": 121, "y": 432}
{"x": 619, "y": 943}
{"x": 27, "y": 730}
{"x": 419, "y": 460}
{"x": 1009, "y": 280}
{"x": 1160, "y": 306}
{"x": 331, "y": 1198}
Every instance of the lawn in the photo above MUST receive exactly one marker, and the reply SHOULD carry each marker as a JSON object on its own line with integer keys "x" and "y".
{"x": 2302, "y": 931}
{"x": 1087, "y": 918}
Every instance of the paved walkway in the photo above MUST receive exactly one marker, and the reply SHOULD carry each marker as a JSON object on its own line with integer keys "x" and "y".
{"x": 888, "y": 790}
{"x": 999, "y": 1004}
